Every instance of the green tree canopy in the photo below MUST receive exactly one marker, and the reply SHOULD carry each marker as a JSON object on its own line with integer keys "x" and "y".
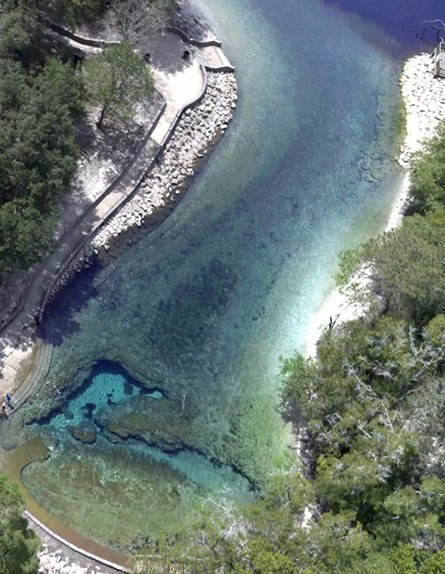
{"x": 15, "y": 33}
{"x": 68, "y": 12}
{"x": 428, "y": 177}
{"x": 407, "y": 266}
{"x": 25, "y": 235}
{"x": 18, "y": 545}
{"x": 40, "y": 101}
{"x": 38, "y": 151}
{"x": 117, "y": 79}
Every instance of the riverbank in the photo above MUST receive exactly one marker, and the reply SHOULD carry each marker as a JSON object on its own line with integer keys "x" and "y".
{"x": 193, "y": 120}
{"x": 187, "y": 136}
{"x": 197, "y": 131}
{"x": 424, "y": 99}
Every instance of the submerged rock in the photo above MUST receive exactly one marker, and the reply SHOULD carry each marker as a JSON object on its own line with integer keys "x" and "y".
{"x": 84, "y": 433}
{"x": 162, "y": 423}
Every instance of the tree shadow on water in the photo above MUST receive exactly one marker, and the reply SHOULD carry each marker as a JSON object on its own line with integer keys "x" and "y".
{"x": 59, "y": 320}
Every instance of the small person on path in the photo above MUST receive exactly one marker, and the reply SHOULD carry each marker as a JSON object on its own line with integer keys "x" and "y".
{"x": 9, "y": 401}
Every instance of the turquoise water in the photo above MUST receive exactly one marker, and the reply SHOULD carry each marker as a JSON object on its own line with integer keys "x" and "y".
{"x": 110, "y": 387}
{"x": 103, "y": 389}
{"x": 201, "y": 309}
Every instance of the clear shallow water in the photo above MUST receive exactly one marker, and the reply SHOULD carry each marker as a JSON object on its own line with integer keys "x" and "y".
{"x": 91, "y": 468}
{"x": 203, "y": 307}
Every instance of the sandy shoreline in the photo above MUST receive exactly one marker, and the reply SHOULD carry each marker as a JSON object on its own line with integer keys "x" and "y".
{"x": 424, "y": 98}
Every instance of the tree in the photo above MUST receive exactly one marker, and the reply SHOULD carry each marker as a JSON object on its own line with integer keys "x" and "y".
{"x": 25, "y": 235}
{"x": 38, "y": 155}
{"x": 38, "y": 151}
{"x": 434, "y": 563}
{"x": 117, "y": 79}
{"x": 407, "y": 266}
{"x": 73, "y": 12}
{"x": 428, "y": 177}
{"x": 68, "y": 12}
{"x": 14, "y": 87}
{"x": 18, "y": 545}
{"x": 14, "y": 33}
{"x": 373, "y": 402}
{"x": 137, "y": 19}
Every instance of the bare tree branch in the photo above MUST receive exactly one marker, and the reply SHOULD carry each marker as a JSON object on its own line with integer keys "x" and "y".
{"x": 437, "y": 25}
{"x": 137, "y": 19}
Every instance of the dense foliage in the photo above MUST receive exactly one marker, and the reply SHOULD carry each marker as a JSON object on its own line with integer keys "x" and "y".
{"x": 18, "y": 545}
{"x": 40, "y": 98}
{"x": 428, "y": 181}
{"x": 74, "y": 12}
{"x": 69, "y": 12}
{"x": 117, "y": 79}
{"x": 372, "y": 403}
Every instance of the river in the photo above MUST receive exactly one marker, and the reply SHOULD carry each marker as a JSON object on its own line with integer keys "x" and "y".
{"x": 168, "y": 359}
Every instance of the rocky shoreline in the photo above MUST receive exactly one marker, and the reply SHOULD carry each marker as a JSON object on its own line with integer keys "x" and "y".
{"x": 199, "y": 128}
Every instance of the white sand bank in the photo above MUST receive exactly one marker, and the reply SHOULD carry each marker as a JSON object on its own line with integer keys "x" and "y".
{"x": 424, "y": 98}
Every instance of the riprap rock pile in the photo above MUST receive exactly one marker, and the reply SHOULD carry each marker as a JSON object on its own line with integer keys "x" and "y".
{"x": 57, "y": 563}
{"x": 198, "y": 128}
